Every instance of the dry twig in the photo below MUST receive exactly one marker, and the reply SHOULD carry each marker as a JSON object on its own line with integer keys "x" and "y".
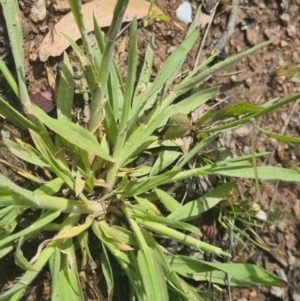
{"x": 229, "y": 28}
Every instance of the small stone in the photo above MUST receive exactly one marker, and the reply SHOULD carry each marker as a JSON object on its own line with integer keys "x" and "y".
{"x": 295, "y": 57}
{"x": 292, "y": 261}
{"x": 43, "y": 28}
{"x": 261, "y": 215}
{"x": 277, "y": 292}
{"x": 296, "y": 208}
{"x": 233, "y": 78}
{"x": 273, "y": 34}
{"x": 171, "y": 49}
{"x": 283, "y": 43}
{"x": 33, "y": 57}
{"x": 5, "y": 134}
{"x": 248, "y": 82}
{"x": 251, "y": 36}
{"x": 291, "y": 30}
{"x": 38, "y": 11}
{"x": 261, "y": 5}
{"x": 285, "y": 18}
{"x": 296, "y": 297}
{"x": 253, "y": 295}
{"x": 61, "y": 6}
{"x": 184, "y": 13}
{"x": 242, "y": 131}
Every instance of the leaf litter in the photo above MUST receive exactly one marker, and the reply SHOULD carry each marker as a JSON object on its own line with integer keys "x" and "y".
{"x": 54, "y": 43}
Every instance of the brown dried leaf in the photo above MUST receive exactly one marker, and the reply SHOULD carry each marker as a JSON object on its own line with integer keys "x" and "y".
{"x": 55, "y": 43}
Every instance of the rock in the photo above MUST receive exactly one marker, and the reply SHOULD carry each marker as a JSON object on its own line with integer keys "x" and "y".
{"x": 251, "y": 36}
{"x": 262, "y": 215}
{"x": 248, "y": 82}
{"x": 184, "y": 13}
{"x": 291, "y": 260}
{"x": 33, "y": 57}
{"x": 277, "y": 292}
{"x": 285, "y": 18}
{"x": 296, "y": 297}
{"x": 283, "y": 43}
{"x": 61, "y": 6}
{"x": 38, "y": 11}
{"x": 291, "y": 30}
{"x": 5, "y": 134}
{"x": 242, "y": 131}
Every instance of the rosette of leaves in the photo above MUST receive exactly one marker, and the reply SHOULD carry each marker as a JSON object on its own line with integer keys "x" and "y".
{"x": 97, "y": 191}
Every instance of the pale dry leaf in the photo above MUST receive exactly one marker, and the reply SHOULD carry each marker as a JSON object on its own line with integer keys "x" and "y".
{"x": 203, "y": 20}
{"x": 55, "y": 43}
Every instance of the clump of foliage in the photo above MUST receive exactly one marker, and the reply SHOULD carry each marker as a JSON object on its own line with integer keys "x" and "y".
{"x": 98, "y": 189}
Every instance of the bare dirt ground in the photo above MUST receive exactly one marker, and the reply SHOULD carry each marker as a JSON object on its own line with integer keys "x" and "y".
{"x": 254, "y": 79}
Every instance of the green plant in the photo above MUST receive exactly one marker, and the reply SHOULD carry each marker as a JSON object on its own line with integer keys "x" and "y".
{"x": 100, "y": 190}
{"x": 153, "y": 15}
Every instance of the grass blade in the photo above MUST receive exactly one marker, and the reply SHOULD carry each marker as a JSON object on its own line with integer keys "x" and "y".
{"x": 195, "y": 208}
{"x": 65, "y": 93}
{"x": 13, "y": 21}
{"x": 243, "y": 274}
{"x": 9, "y": 78}
{"x": 73, "y": 133}
{"x": 15, "y": 117}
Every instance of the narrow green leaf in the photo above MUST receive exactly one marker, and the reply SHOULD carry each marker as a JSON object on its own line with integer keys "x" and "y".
{"x": 142, "y": 85}
{"x": 19, "y": 288}
{"x": 20, "y": 259}
{"x": 13, "y": 21}
{"x": 64, "y": 99}
{"x": 131, "y": 76}
{"x": 54, "y": 265}
{"x": 140, "y": 187}
{"x": 150, "y": 269}
{"x": 164, "y": 160}
{"x": 237, "y": 110}
{"x": 15, "y": 117}
{"x": 244, "y": 274}
{"x": 73, "y": 133}
{"x": 9, "y": 78}
{"x": 172, "y": 64}
{"x": 195, "y": 208}
{"x": 179, "y": 285}
{"x": 107, "y": 272}
{"x": 68, "y": 286}
{"x": 137, "y": 141}
{"x": 167, "y": 222}
{"x": 168, "y": 201}
{"x": 197, "y": 149}
{"x": 183, "y": 238}
{"x": 12, "y": 194}
{"x": 57, "y": 163}
{"x": 43, "y": 220}
{"x": 152, "y": 276}
{"x": 28, "y": 153}
{"x": 267, "y": 109}
{"x": 9, "y": 218}
{"x": 264, "y": 173}
{"x": 283, "y": 138}
{"x": 50, "y": 188}
{"x": 185, "y": 86}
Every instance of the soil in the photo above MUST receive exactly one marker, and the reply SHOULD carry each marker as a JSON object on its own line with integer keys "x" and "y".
{"x": 255, "y": 80}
